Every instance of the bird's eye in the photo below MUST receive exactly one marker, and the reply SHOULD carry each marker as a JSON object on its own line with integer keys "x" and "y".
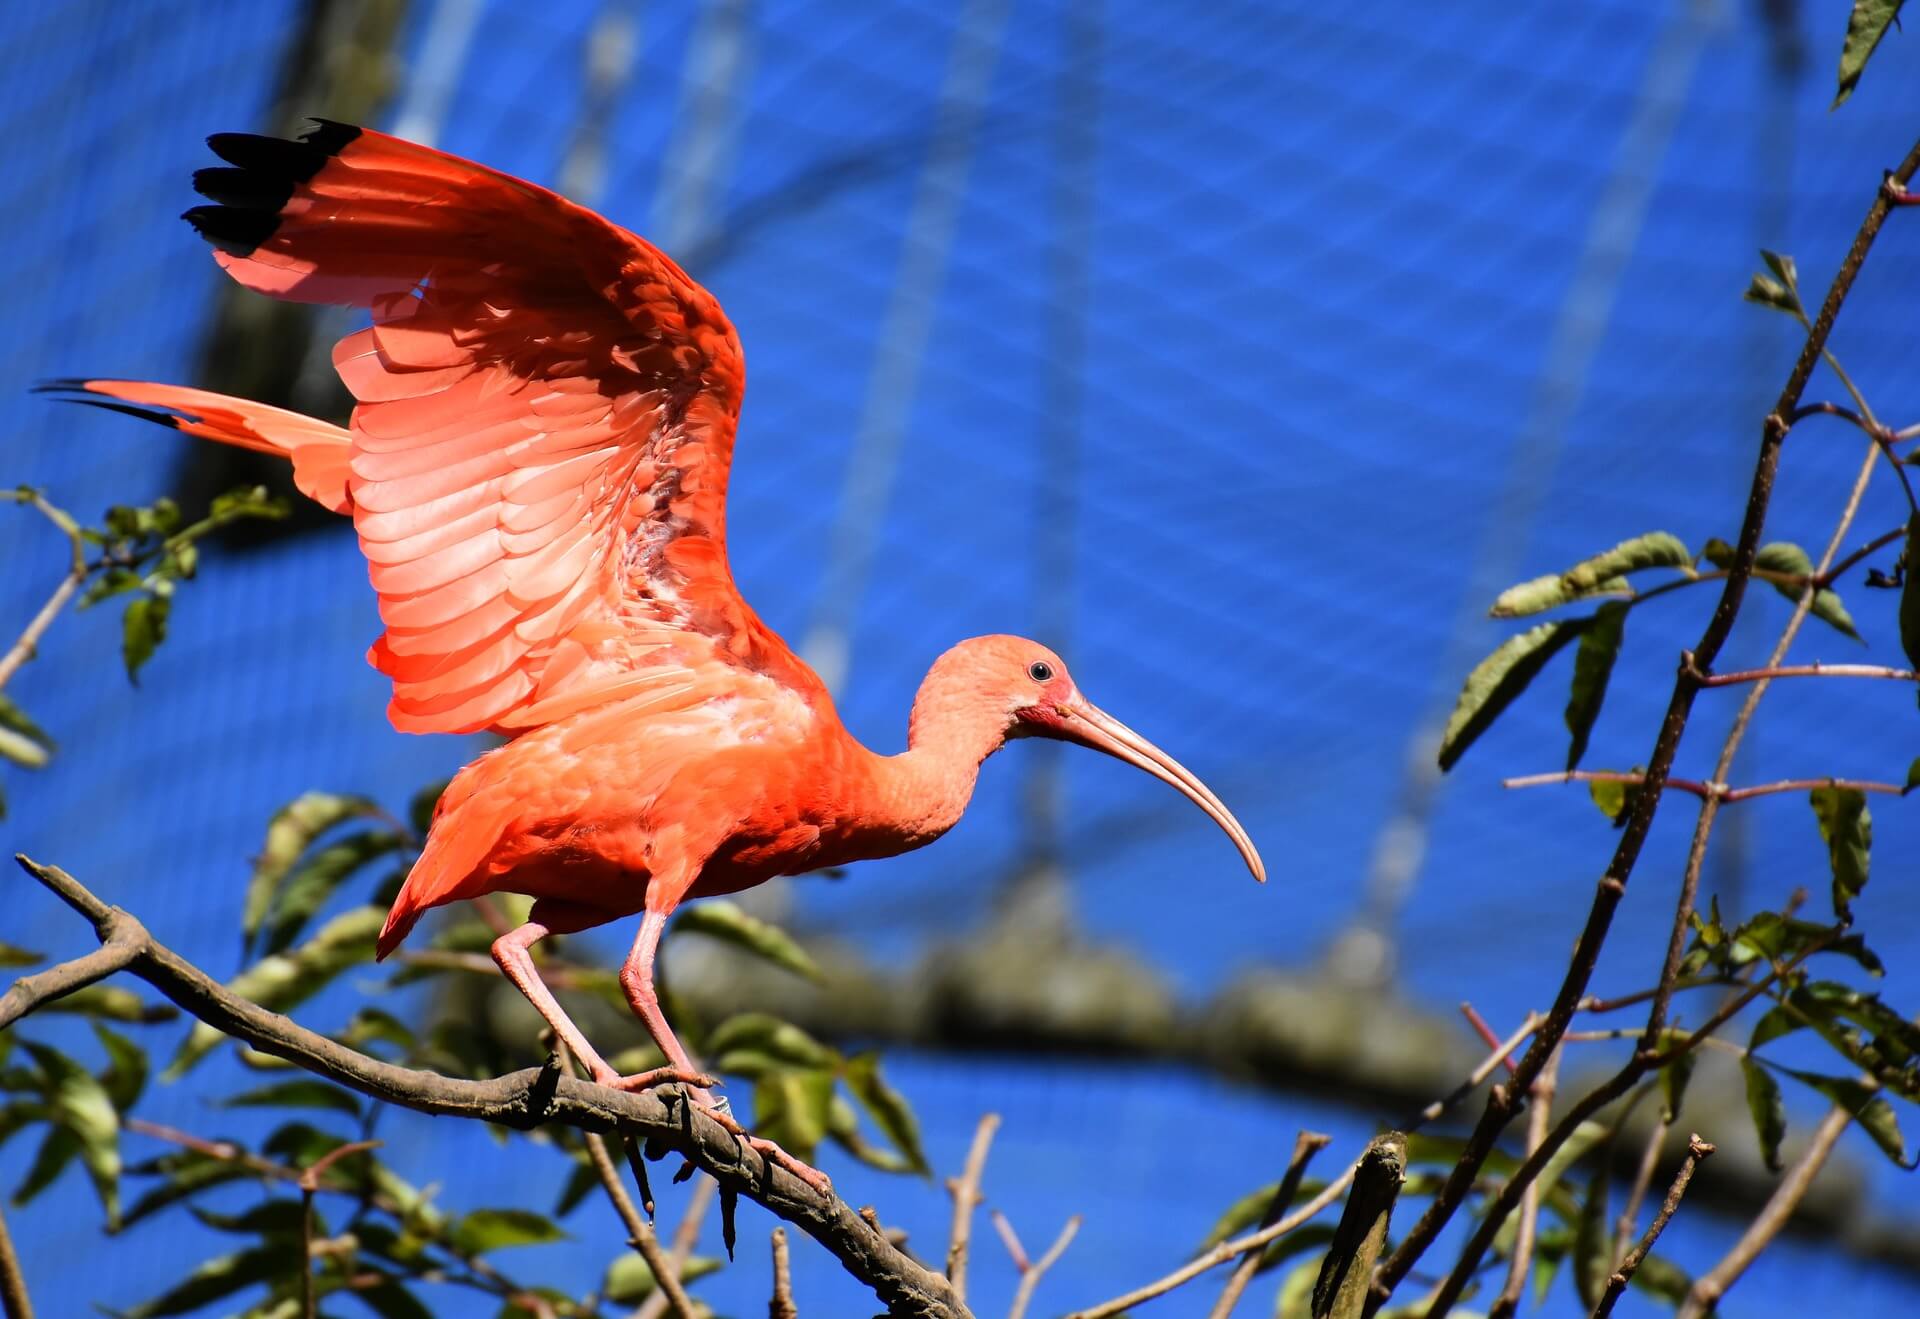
{"x": 1040, "y": 671}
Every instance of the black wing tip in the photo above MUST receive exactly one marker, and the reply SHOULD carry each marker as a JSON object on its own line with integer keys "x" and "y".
{"x": 72, "y": 390}
{"x": 258, "y": 180}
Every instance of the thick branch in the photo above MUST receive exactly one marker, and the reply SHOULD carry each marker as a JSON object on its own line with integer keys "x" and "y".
{"x": 1346, "y": 1274}
{"x": 527, "y": 1099}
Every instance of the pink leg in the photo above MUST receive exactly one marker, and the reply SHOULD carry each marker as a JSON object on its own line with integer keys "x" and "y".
{"x": 636, "y": 977}
{"x": 510, "y": 951}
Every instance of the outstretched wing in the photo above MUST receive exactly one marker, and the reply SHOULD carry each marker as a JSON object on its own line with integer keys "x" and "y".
{"x": 545, "y": 421}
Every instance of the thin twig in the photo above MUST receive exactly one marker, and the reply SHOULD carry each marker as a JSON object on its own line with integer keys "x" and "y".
{"x": 28, "y": 642}
{"x": 1637, "y": 1193}
{"x": 781, "y": 1306}
{"x": 966, "y": 1198}
{"x": 1712, "y": 1285}
{"x": 640, "y": 1233}
{"x": 1485, "y": 1032}
{"x": 1305, "y": 1146}
{"x": 1520, "y": 1267}
{"x": 529, "y": 1098}
{"x": 1223, "y": 1252}
{"x": 1031, "y": 1271}
{"x": 1697, "y": 1150}
{"x": 1813, "y": 670}
{"x": 14, "y": 1301}
{"x": 1608, "y": 893}
{"x": 1719, "y": 791}
{"x": 1501, "y": 1052}
{"x": 685, "y": 1237}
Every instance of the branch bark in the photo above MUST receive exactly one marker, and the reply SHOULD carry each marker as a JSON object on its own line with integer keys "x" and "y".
{"x": 523, "y": 1100}
{"x": 1305, "y": 1146}
{"x": 14, "y": 1301}
{"x": 1346, "y": 1274}
{"x": 1697, "y": 1150}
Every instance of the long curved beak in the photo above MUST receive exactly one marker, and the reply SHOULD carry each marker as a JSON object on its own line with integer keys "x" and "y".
{"x": 1091, "y": 726}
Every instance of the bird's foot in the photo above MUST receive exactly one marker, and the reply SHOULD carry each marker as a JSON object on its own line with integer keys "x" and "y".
{"x": 767, "y": 1149}
{"x": 657, "y": 1076}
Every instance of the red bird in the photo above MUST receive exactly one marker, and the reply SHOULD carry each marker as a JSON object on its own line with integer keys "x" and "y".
{"x": 537, "y": 470}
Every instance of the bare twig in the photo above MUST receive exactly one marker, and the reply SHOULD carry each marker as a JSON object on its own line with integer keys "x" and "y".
{"x": 1539, "y": 1113}
{"x": 1879, "y": 542}
{"x": 1501, "y": 1053}
{"x": 1485, "y": 1032}
{"x": 685, "y": 1237}
{"x": 1712, "y": 1285}
{"x": 640, "y": 1233}
{"x": 14, "y": 1301}
{"x": 309, "y": 1182}
{"x": 1720, "y": 791}
{"x": 1697, "y": 1150}
{"x": 525, "y": 1099}
{"x": 1814, "y": 670}
{"x": 1637, "y": 1193}
{"x": 28, "y": 642}
{"x": 966, "y": 1198}
{"x": 1501, "y": 1101}
{"x": 1221, "y": 1253}
{"x": 1305, "y": 1146}
{"x": 781, "y": 1306}
{"x": 1031, "y": 1271}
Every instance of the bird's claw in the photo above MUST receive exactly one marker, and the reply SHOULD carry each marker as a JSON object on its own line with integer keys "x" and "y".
{"x": 658, "y": 1076}
{"x": 767, "y": 1149}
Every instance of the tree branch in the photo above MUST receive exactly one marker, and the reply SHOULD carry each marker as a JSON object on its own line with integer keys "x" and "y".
{"x": 966, "y": 1198}
{"x": 1697, "y": 1150}
{"x": 1346, "y": 1274}
{"x": 1704, "y": 791}
{"x": 640, "y": 1233}
{"x": 1031, "y": 1271}
{"x": 24, "y": 647}
{"x": 1539, "y": 1114}
{"x": 1305, "y": 1146}
{"x": 781, "y": 1306}
{"x": 1712, "y": 1285}
{"x": 1814, "y": 670}
{"x": 14, "y": 1301}
{"x": 1502, "y": 1100}
{"x": 523, "y": 1100}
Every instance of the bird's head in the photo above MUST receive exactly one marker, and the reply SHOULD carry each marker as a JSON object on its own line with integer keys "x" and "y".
{"x": 1027, "y": 685}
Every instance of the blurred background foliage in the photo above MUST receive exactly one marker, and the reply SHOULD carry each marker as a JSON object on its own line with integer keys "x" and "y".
{"x": 1246, "y": 354}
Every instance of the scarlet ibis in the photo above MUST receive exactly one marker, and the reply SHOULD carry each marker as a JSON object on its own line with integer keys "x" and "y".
{"x": 537, "y": 470}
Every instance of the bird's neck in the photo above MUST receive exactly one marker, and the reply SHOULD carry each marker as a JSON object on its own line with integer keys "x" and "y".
{"x": 923, "y": 791}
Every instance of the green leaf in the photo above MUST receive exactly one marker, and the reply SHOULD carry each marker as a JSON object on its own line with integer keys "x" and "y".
{"x": 792, "y": 1107}
{"x": 187, "y": 1173}
{"x": 1771, "y": 936}
{"x": 81, "y": 1106}
{"x": 1910, "y": 609}
{"x": 1769, "y": 1111}
{"x": 126, "y": 1074}
{"x": 496, "y": 1229}
{"x": 1601, "y": 574}
{"x": 142, "y": 628}
{"x": 1614, "y": 799}
{"x": 391, "y": 1300}
{"x": 243, "y": 502}
{"x": 1497, "y": 680}
{"x": 113, "y": 1003}
{"x": 11, "y": 956}
{"x": 629, "y": 1281}
{"x": 1847, "y": 829}
{"x": 1592, "y": 667}
{"x": 305, "y": 1093}
{"x": 749, "y": 1043}
{"x": 219, "y": 1278}
{"x": 290, "y": 833}
{"x": 1789, "y": 560}
{"x": 1673, "y": 1085}
{"x": 57, "y": 1150}
{"x": 370, "y": 1024}
{"x": 719, "y": 919}
{"x": 1865, "y": 26}
{"x": 1868, "y": 1107}
{"x": 308, "y": 888}
{"x": 280, "y": 1217}
{"x": 21, "y": 740}
{"x": 286, "y": 980}
{"x": 887, "y": 1107}
{"x": 1593, "y": 1239}
{"x": 420, "y": 810}
{"x": 1781, "y": 292}
{"x": 1913, "y": 776}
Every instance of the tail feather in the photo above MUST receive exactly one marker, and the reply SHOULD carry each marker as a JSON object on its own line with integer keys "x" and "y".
{"x": 319, "y": 450}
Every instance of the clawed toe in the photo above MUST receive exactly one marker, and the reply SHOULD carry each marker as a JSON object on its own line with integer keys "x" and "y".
{"x": 807, "y": 1173}
{"x": 658, "y": 1076}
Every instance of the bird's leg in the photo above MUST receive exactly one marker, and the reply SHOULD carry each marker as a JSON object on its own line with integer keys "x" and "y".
{"x": 510, "y": 951}
{"x": 636, "y": 977}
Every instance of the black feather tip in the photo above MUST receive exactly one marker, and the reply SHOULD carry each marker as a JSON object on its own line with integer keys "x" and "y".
{"x": 263, "y": 173}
